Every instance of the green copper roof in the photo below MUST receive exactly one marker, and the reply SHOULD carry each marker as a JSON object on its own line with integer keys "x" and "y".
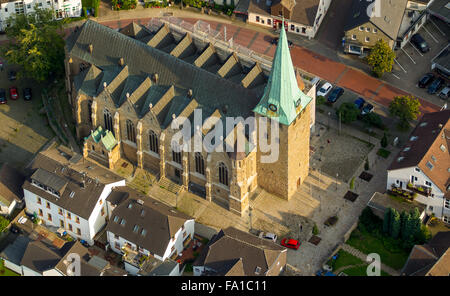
{"x": 107, "y": 138}
{"x": 282, "y": 99}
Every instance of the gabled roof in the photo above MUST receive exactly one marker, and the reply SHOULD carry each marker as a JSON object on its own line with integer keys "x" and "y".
{"x": 11, "y": 181}
{"x": 388, "y": 20}
{"x": 57, "y": 169}
{"x": 156, "y": 223}
{"x": 282, "y": 99}
{"x": 40, "y": 257}
{"x": 234, "y": 252}
{"x": 428, "y": 148}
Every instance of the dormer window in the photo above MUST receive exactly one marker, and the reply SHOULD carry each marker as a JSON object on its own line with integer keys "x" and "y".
{"x": 116, "y": 219}
{"x": 130, "y": 205}
{"x": 135, "y": 228}
{"x": 123, "y": 222}
{"x": 443, "y": 148}
{"x": 406, "y": 149}
{"x": 143, "y": 232}
{"x": 400, "y": 158}
{"x": 413, "y": 138}
{"x": 429, "y": 165}
{"x": 257, "y": 270}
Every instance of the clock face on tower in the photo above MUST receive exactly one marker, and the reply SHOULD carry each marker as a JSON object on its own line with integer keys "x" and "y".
{"x": 273, "y": 108}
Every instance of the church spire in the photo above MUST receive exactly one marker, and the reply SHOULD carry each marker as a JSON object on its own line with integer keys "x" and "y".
{"x": 282, "y": 99}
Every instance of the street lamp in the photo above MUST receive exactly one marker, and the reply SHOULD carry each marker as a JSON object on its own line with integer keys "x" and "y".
{"x": 329, "y": 115}
{"x": 337, "y": 175}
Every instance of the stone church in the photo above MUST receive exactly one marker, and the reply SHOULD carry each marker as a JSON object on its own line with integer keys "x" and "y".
{"x": 126, "y": 88}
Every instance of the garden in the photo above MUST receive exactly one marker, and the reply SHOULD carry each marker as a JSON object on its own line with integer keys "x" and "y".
{"x": 391, "y": 238}
{"x": 90, "y": 7}
{"x": 349, "y": 264}
{"x": 5, "y": 271}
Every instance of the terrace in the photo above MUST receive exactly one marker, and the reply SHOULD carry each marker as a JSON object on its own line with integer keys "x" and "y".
{"x": 133, "y": 257}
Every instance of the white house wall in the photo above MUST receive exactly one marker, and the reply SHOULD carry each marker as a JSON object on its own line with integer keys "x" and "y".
{"x": 14, "y": 267}
{"x": 436, "y": 200}
{"x": 72, "y": 8}
{"x": 178, "y": 241}
{"x": 29, "y": 272}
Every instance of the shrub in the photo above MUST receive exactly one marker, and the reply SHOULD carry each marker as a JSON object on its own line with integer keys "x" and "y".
{"x": 373, "y": 119}
{"x": 321, "y": 100}
{"x": 315, "y": 230}
{"x": 348, "y": 112}
{"x": 352, "y": 183}
{"x": 370, "y": 220}
{"x": 384, "y": 141}
{"x": 3, "y": 223}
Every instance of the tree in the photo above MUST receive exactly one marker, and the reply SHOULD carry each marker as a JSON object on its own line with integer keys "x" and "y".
{"x": 404, "y": 217}
{"x": 38, "y": 45}
{"x": 387, "y": 221}
{"x": 381, "y": 58}
{"x": 395, "y": 223}
{"x": 406, "y": 108}
{"x": 384, "y": 141}
{"x": 348, "y": 112}
{"x": 3, "y": 223}
{"x": 416, "y": 223}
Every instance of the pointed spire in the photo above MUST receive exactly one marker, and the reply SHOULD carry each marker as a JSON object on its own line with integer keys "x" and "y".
{"x": 282, "y": 97}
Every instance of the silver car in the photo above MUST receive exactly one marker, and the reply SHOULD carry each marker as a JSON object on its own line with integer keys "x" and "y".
{"x": 269, "y": 236}
{"x": 444, "y": 93}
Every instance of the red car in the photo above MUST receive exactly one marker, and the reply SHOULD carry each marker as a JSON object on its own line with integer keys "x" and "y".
{"x": 290, "y": 243}
{"x": 13, "y": 93}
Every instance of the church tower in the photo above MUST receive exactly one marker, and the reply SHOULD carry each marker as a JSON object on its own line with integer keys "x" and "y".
{"x": 289, "y": 108}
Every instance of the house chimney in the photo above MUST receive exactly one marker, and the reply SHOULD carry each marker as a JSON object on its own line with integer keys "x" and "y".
{"x": 150, "y": 106}
{"x": 190, "y": 93}
{"x": 105, "y": 84}
{"x": 121, "y": 62}
{"x": 128, "y": 95}
{"x": 155, "y": 77}
{"x": 91, "y": 48}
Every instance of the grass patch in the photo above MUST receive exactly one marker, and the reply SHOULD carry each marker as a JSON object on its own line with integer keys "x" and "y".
{"x": 360, "y": 271}
{"x": 345, "y": 259}
{"x": 389, "y": 249}
{"x": 5, "y": 271}
{"x": 383, "y": 153}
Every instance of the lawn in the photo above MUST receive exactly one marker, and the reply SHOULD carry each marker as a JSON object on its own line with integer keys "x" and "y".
{"x": 350, "y": 265}
{"x": 389, "y": 250}
{"x": 5, "y": 271}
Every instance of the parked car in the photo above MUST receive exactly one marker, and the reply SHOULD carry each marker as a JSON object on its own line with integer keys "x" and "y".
{"x": 290, "y": 243}
{"x": 13, "y": 93}
{"x": 12, "y": 75}
{"x": 444, "y": 93}
{"x": 275, "y": 41}
{"x": 335, "y": 94}
{"x": 325, "y": 89}
{"x": 27, "y": 94}
{"x": 269, "y": 236}
{"x": 2, "y": 96}
{"x": 367, "y": 109}
{"x": 425, "y": 80}
{"x": 420, "y": 43}
{"x": 359, "y": 103}
{"x": 435, "y": 85}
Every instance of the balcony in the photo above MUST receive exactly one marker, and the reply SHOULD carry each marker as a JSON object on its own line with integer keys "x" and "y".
{"x": 133, "y": 257}
{"x": 422, "y": 190}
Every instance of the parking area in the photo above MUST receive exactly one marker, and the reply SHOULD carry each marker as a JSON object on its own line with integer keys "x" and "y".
{"x": 24, "y": 128}
{"x": 411, "y": 64}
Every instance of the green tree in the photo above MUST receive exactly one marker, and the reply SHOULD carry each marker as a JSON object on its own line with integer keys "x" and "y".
{"x": 38, "y": 46}
{"x": 381, "y": 58}
{"x": 406, "y": 108}
{"x": 348, "y": 112}
{"x": 384, "y": 141}
{"x": 404, "y": 217}
{"x": 387, "y": 221}
{"x": 3, "y": 223}
{"x": 395, "y": 224}
{"x": 416, "y": 223}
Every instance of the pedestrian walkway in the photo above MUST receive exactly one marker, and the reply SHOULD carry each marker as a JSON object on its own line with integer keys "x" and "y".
{"x": 363, "y": 257}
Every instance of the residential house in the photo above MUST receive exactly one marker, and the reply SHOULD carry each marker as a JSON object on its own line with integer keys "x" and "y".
{"x": 414, "y": 17}
{"x": 430, "y": 259}
{"x": 146, "y": 231}
{"x": 66, "y": 191}
{"x": 370, "y": 21}
{"x": 61, "y": 8}
{"x": 302, "y": 17}
{"x": 422, "y": 166}
{"x": 233, "y": 252}
{"x": 11, "y": 193}
{"x": 28, "y": 257}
